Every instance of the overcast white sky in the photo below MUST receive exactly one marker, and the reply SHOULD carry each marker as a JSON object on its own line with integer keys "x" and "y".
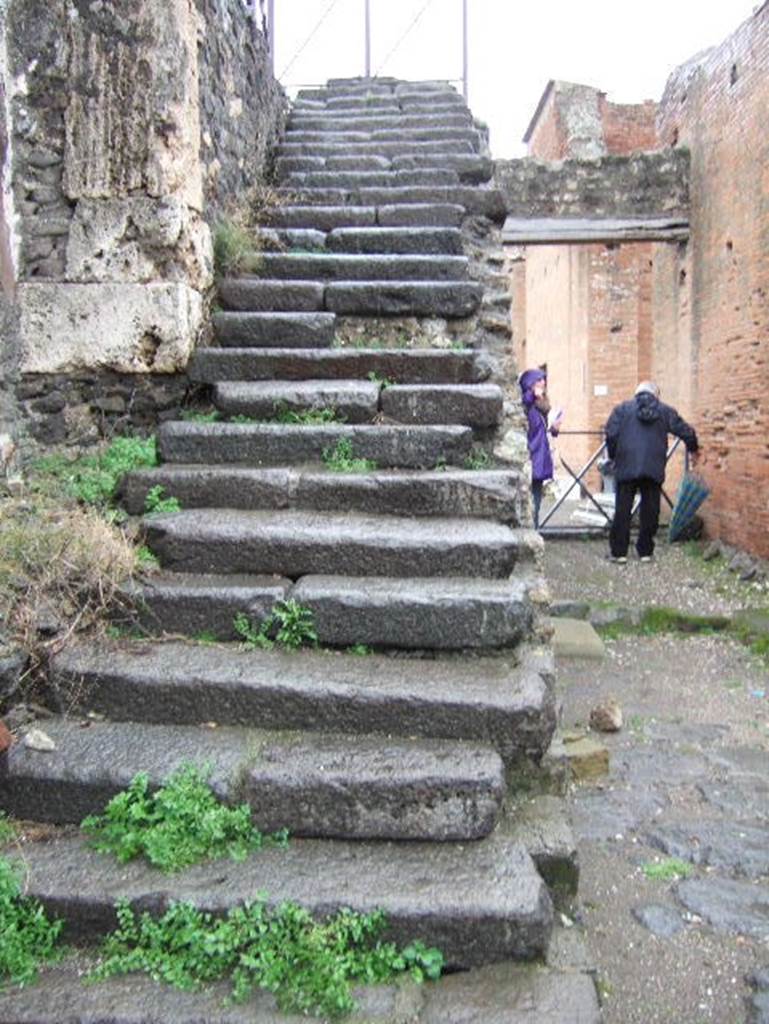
{"x": 623, "y": 47}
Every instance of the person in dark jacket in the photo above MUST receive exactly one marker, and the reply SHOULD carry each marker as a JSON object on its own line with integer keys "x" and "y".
{"x": 636, "y": 440}
{"x": 537, "y": 405}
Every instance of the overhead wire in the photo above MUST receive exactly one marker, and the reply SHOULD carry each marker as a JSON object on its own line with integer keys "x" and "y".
{"x": 395, "y": 48}
{"x": 299, "y": 52}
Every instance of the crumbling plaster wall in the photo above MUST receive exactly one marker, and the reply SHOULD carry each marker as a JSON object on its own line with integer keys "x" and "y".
{"x": 128, "y": 127}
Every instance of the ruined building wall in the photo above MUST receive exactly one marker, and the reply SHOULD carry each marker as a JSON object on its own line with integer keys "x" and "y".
{"x": 125, "y": 127}
{"x": 716, "y": 105}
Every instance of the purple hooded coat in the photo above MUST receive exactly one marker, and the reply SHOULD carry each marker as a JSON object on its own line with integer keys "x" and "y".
{"x": 539, "y": 446}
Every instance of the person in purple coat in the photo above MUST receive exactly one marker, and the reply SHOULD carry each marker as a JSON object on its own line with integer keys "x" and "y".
{"x": 537, "y": 406}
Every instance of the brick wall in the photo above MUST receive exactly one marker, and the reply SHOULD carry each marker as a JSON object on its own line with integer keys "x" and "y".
{"x": 629, "y": 127}
{"x": 717, "y": 107}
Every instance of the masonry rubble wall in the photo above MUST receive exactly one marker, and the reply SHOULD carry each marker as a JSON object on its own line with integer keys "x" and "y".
{"x": 124, "y": 130}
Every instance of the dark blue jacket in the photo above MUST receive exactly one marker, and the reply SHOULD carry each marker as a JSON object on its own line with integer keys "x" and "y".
{"x": 637, "y": 437}
{"x": 536, "y": 435}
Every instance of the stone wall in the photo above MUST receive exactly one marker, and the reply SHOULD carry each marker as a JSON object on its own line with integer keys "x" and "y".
{"x": 126, "y": 128}
{"x": 716, "y": 106}
{"x": 643, "y": 184}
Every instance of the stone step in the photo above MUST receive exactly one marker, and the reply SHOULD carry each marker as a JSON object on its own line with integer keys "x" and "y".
{"x": 347, "y": 267}
{"x": 397, "y": 366}
{"x": 478, "y": 902}
{"x": 481, "y": 202}
{"x": 412, "y": 613}
{"x": 332, "y": 786}
{"x": 472, "y": 169}
{"x": 403, "y": 298}
{"x": 355, "y": 401}
{"x": 274, "y": 330}
{"x": 490, "y": 700}
{"x": 489, "y": 494}
{"x": 297, "y": 543}
{"x": 326, "y": 218}
{"x": 271, "y": 444}
{"x": 476, "y": 405}
{"x": 430, "y": 241}
{"x": 505, "y": 993}
{"x": 402, "y": 147}
{"x": 371, "y": 179}
{"x": 324, "y": 137}
{"x": 420, "y": 215}
{"x": 270, "y": 296}
{"x": 333, "y": 122}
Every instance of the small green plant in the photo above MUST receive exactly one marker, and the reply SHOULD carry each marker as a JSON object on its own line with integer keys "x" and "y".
{"x": 340, "y": 459}
{"x": 241, "y": 417}
{"x": 236, "y": 246}
{"x": 205, "y": 637}
{"x": 310, "y": 966}
{"x": 254, "y": 639}
{"x": 289, "y": 624}
{"x": 27, "y": 937}
{"x": 145, "y": 558}
{"x": 459, "y": 346}
{"x": 155, "y": 504}
{"x": 383, "y": 382}
{"x": 361, "y": 650}
{"x": 668, "y": 870}
{"x": 7, "y": 831}
{"x": 307, "y": 417}
{"x": 479, "y": 458}
{"x": 180, "y": 824}
{"x": 196, "y": 416}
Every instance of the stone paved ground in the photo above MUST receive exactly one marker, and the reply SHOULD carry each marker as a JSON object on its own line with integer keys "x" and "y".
{"x": 689, "y": 776}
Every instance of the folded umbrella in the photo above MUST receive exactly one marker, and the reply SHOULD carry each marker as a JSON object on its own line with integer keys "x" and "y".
{"x": 692, "y": 491}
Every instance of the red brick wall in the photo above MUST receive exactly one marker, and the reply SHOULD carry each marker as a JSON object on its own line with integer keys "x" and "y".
{"x": 547, "y": 140}
{"x": 719, "y": 112}
{"x": 629, "y": 127}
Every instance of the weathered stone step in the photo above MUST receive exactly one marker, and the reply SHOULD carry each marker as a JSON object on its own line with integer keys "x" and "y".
{"x": 272, "y": 444}
{"x": 470, "y": 167}
{"x": 319, "y": 786}
{"x": 434, "y": 241}
{"x": 355, "y": 401}
{"x": 371, "y": 179}
{"x": 490, "y": 494}
{"x": 479, "y": 902}
{"x": 504, "y": 993}
{"x": 297, "y": 543}
{"x": 274, "y": 330}
{"x": 405, "y": 366}
{"x": 346, "y": 267}
{"x": 332, "y": 121}
{"x": 419, "y": 613}
{"x": 403, "y": 298}
{"x": 404, "y": 147}
{"x": 326, "y": 218}
{"x": 476, "y": 405}
{"x": 324, "y": 137}
{"x": 270, "y": 296}
{"x": 482, "y": 202}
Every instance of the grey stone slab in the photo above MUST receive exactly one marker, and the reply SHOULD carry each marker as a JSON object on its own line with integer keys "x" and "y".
{"x": 541, "y": 823}
{"x": 575, "y": 638}
{"x": 479, "y": 202}
{"x": 743, "y": 797}
{"x": 90, "y": 765}
{"x": 303, "y": 240}
{"x": 437, "y": 613}
{"x": 323, "y": 218}
{"x": 429, "y": 241}
{"x": 486, "y": 699}
{"x": 736, "y": 847}
{"x": 374, "y": 266}
{"x": 400, "y": 147}
{"x": 210, "y": 486}
{"x": 297, "y": 543}
{"x": 477, "y": 405}
{"x": 375, "y": 788}
{"x": 414, "y": 366}
{"x": 404, "y": 298}
{"x": 420, "y": 215}
{"x": 332, "y": 121}
{"x": 471, "y": 168}
{"x": 509, "y": 994}
{"x": 355, "y": 401}
{"x": 203, "y": 604}
{"x": 358, "y": 163}
{"x": 662, "y": 921}
{"x": 285, "y": 165}
{"x": 270, "y": 296}
{"x": 733, "y": 907}
{"x": 478, "y": 902}
{"x": 274, "y": 330}
{"x": 372, "y": 179}
{"x": 271, "y": 444}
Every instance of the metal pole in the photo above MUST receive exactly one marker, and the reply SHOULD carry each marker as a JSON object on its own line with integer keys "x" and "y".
{"x": 464, "y": 49}
{"x": 368, "y": 37}
{"x": 271, "y": 32}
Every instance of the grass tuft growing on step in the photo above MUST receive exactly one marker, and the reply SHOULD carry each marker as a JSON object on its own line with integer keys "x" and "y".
{"x": 309, "y": 966}
{"x": 182, "y": 823}
{"x": 27, "y": 937}
{"x": 340, "y": 459}
{"x": 307, "y": 417}
{"x": 155, "y": 504}
{"x": 289, "y": 624}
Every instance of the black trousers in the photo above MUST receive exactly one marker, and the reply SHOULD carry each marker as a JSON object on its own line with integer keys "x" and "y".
{"x": 619, "y": 536}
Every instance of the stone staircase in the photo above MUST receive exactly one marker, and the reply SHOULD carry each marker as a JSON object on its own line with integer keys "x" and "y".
{"x": 405, "y": 775}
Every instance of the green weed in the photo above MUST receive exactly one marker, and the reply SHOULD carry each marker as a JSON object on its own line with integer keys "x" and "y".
{"x": 27, "y": 937}
{"x": 479, "y": 458}
{"x": 254, "y": 639}
{"x": 307, "y": 417}
{"x": 309, "y": 966}
{"x": 180, "y": 824}
{"x": 196, "y": 416}
{"x": 289, "y": 624}
{"x": 7, "y": 830}
{"x": 236, "y": 247}
{"x": 668, "y": 870}
{"x": 383, "y": 382}
{"x": 361, "y": 650}
{"x": 206, "y": 637}
{"x": 146, "y": 559}
{"x": 241, "y": 417}
{"x": 340, "y": 459}
{"x": 155, "y": 504}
